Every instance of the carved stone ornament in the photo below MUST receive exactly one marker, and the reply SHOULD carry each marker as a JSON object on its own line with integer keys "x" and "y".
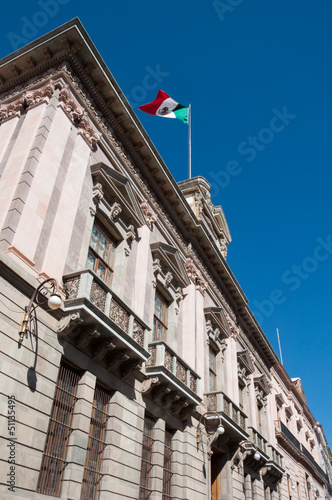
{"x": 178, "y": 298}
{"x": 149, "y": 214}
{"x": 149, "y": 384}
{"x": 97, "y": 196}
{"x": 26, "y": 100}
{"x": 78, "y": 116}
{"x": 168, "y": 278}
{"x": 223, "y": 347}
{"x": 130, "y": 233}
{"x": 198, "y": 205}
{"x": 115, "y": 210}
{"x": 195, "y": 276}
{"x": 68, "y": 324}
{"x": 130, "y": 236}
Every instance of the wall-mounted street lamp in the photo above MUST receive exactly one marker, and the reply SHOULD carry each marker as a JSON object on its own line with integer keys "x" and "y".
{"x": 38, "y": 298}
{"x": 213, "y": 424}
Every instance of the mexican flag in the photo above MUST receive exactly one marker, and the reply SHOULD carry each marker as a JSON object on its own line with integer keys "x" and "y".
{"x": 165, "y": 106}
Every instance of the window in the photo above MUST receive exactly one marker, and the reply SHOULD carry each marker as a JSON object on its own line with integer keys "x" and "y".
{"x": 212, "y": 370}
{"x": 146, "y": 464}
{"x": 160, "y": 318}
{"x": 241, "y": 394}
{"x": 278, "y": 413}
{"x": 96, "y": 444}
{"x": 53, "y": 461}
{"x": 167, "y": 495}
{"x": 259, "y": 416}
{"x": 101, "y": 253}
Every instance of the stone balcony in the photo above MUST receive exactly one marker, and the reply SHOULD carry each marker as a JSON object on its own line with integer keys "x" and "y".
{"x": 233, "y": 418}
{"x": 100, "y": 324}
{"x": 259, "y": 441}
{"x": 170, "y": 381}
{"x": 292, "y": 445}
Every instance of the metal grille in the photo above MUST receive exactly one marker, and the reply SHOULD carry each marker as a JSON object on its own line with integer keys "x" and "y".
{"x": 71, "y": 287}
{"x": 167, "y": 476}
{"x": 96, "y": 445}
{"x": 227, "y": 406}
{"x": 98, "y": 296}
{"x": 119, "y": 315}
{"x": 53, "y": 461}
{"x": 146, "y": 464}
{"x": 181, "y": 372}
{"x": 138, "y": 334}
{"x": 193, "y": 382}
{"x": 152, "y": 359}
{"x": 168, "y": 360}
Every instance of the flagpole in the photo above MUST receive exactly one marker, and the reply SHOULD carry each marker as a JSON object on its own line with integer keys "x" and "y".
{"x": 279, "y": 346}
{"x": 189, "y": 140}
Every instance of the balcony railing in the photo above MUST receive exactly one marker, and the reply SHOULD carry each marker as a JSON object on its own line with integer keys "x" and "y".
{"x": 218, "y": 401}
{"x": 259, "y": 441}
{"x": 293, "y": 445}
{"x": 162, "y": 357}
{"x": 274, "y": 455}
{"x": 85, "y": 287}
{"x": 281, "y": 428}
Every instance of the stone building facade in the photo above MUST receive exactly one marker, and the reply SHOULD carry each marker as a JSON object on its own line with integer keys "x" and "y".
{"x": 153, "y": 379}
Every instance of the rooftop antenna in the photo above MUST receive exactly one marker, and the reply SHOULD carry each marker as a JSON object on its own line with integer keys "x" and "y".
{"x": 279, "y": 347}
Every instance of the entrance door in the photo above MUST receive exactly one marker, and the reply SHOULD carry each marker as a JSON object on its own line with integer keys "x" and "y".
{"x": 215, "y": 476}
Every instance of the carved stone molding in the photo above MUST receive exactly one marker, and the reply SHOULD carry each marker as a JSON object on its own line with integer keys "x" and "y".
{"x": 197, "y": 206}
{"x": 68, "y": 324}
{"x": 128, "y": 367}
{"x": 195, "y": 276}
{"x": 26, "y": 100}
{"x": 78, "y": 116}
{"x": 87, "y": 336}
{"x": 116, "y": 358}
{"x": 97, "y": 196}
{"x": 102, "y": 350}
{"x": 149, "y": 214}
{"x": 149, "y": 384}
{"x": 115, "y": 210}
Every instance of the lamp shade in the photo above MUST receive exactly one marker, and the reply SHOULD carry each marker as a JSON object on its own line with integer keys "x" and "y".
{"x": 54, "y": 302}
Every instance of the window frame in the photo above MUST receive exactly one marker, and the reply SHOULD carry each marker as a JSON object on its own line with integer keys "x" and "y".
{"x": 96, "y": 443}
{"x": 58, "y": 433}
{"x": 167, "y": 467}
{"x": 109, "y": 263}
{"x": 157, "y": 321}
{"x": 213, "y": 368}
{"x": 145, "y": 489}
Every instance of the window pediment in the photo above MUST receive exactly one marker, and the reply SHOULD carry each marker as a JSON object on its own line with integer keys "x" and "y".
{"x": 117, "y": 192}
{"x": 280, "y": 399}
{"x": 289, "y": 411}
{"x": 216, "y": 322}
{"x": 245, "y": 362}
{"x": 261, "y": 384}
{"x": 167, "y": 261}
{"x": 298, "y": 384}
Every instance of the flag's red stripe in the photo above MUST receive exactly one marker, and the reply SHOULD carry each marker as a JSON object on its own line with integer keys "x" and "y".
{"x": 152, "y": 107}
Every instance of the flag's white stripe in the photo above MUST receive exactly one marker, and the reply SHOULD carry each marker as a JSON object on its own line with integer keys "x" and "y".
{"x": 166, "y": 108}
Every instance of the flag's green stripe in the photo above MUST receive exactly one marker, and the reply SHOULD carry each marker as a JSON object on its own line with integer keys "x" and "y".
{"x": 181, "y": 113}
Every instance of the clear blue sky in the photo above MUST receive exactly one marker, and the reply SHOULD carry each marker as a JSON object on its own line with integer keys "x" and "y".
{"x": 258, "y": 76}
